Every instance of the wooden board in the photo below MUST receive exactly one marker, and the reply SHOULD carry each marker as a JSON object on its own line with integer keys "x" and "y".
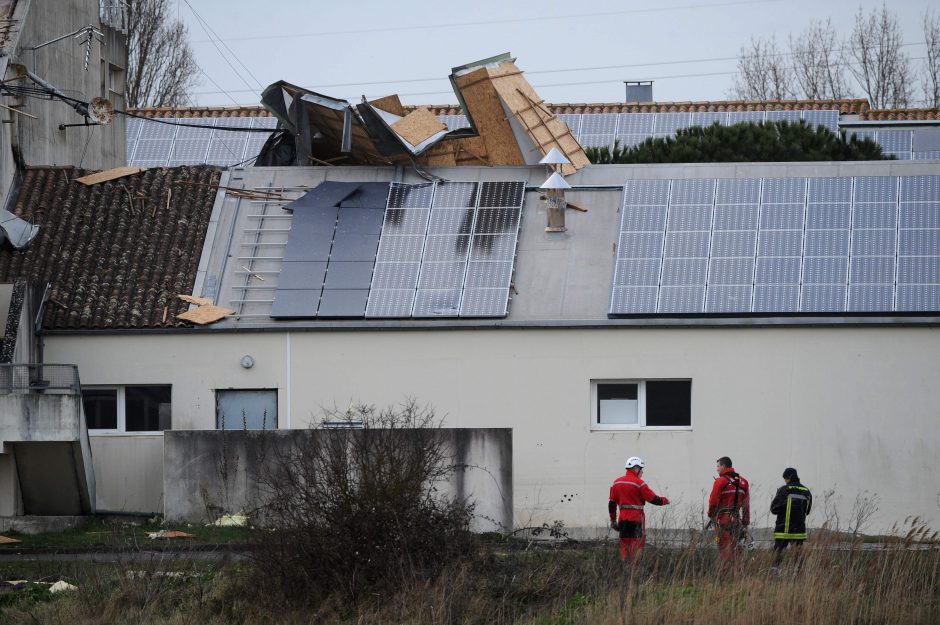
{"x": 6, "y": 540}
{"x": 389, "y": 104}
{"x": 109, "y": 174}
{"x": 418, "y": 125}
{"x": 198, "y": 301}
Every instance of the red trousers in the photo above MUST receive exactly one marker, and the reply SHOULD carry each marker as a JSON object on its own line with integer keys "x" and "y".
{"x": 729, "y": 532}
{"x": 632, "y": 548}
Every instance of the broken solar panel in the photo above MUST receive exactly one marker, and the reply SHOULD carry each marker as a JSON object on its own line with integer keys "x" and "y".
{"x": 447, "y": 250}
{"x": 778, "y": 246}
{"x": 331, "y": 251}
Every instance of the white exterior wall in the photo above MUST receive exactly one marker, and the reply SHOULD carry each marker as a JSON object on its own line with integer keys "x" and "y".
{"x": 854, "y": 409}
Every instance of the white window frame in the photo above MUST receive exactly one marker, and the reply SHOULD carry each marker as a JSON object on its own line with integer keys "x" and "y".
{"x": 122, "y": 411}
{"x": 640, "y": 425}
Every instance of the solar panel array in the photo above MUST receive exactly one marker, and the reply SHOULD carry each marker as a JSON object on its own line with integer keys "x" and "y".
{"x": 163, "y": 144}
{"x": 897, "y": 143}
{"x": 444, "y": 249}
{"x": 778, "y": 245}
{"x": 601, "y": 129}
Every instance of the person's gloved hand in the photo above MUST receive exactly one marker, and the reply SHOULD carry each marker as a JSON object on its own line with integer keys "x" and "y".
{"x": 665, "y": 500}
{"x": 614, "y": 525}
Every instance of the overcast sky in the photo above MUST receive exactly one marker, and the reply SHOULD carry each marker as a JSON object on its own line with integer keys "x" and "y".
{"x": 570, "y": 51}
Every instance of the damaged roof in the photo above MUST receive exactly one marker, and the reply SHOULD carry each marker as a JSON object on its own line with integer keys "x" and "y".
{"x": 116, "y": 253}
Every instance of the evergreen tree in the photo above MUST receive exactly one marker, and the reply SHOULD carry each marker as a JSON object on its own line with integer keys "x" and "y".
{"x": 746, "y": 142}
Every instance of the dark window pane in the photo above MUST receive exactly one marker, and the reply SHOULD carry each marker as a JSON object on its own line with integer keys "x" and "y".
{"x": 616, "y": 391}
{"x": 147, "y": 408}
{"x": 100, "y": 408}
{"x": 669, "y": 403}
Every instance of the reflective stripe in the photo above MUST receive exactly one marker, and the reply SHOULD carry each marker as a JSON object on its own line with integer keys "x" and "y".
{"x": 792, "y": 496}
{"x": 630, "y": 506}
{"x": 625, "y": 483}
{"x": 789, "y": 536}
{"x": 786, "y": 523}
{"x": 732, "y": 492}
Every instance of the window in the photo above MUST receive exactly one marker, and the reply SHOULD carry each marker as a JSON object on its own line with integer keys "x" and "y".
{"x": 632, "y": 404}
{"x": 246, "y": 409}
{"x": 127, "y": 408}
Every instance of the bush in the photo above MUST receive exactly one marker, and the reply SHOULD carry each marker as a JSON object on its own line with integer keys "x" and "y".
{"x": 746, "y": 142}
{"x": 355, "y": 504}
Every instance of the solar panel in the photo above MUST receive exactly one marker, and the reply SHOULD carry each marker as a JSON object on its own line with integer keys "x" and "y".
{"x": 779, "y": 245}
{"x": 707, "y": 118}
{"x": 739, "y": 117}
{"x": 636, "y": 123}
{"x": 829, "y": 119}
{"x": 783, "y": 116}
{"x": 194, "y": 141}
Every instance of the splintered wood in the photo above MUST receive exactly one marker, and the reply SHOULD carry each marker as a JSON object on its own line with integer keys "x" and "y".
{"x": 419, "y": 125}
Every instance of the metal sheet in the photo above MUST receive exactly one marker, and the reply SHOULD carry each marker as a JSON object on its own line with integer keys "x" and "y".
{"x": 360, "y": 220}
{"x": 348, "y": 247}
{"x": 296, "y": 303}
{"x": 301, "y": 275}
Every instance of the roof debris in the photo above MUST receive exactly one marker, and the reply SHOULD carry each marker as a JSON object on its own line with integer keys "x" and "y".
{"x": 109, "y": 174}
{"x": 205, "y": 312}
{"x": 509, "y": 125}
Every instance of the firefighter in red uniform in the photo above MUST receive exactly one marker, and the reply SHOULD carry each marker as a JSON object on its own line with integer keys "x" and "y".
{"x": 629, "y": 494}
{"x": 729, "y": 508}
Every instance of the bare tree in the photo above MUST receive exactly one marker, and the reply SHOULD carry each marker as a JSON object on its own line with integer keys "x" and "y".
{"x": 763, "y": 73}
{"x": 932, "y": 61}
{"x": 161, "y": 67}
{"x": 878, "y": 63}
{"x": 818, "y": 66}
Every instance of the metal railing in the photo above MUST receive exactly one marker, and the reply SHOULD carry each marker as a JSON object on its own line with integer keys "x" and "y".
{"x": 39, "y": 378}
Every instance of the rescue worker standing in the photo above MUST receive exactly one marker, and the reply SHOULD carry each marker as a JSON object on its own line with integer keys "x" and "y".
{"x": 729, "y": 508}
{"x": 629, "y": 494}
{"x": 791, "y": 504}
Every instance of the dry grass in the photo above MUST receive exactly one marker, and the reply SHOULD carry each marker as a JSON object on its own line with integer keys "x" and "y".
{"x": 507, "y": 583}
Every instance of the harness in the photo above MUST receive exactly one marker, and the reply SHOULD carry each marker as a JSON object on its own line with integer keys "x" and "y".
{"x": 735, "y": 509}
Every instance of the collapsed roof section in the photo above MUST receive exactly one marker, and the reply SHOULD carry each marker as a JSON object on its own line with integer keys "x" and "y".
{"x": 509, "y": 125}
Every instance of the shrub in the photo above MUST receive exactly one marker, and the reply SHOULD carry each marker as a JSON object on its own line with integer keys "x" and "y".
{"x": 746, "y": 142}
{"x": 355, "y": 503}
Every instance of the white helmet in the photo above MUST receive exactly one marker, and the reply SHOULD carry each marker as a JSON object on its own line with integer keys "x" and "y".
{"x": 634, "y": 461}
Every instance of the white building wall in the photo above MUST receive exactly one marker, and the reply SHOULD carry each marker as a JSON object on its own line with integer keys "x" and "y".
{"x": 854, "y": 409}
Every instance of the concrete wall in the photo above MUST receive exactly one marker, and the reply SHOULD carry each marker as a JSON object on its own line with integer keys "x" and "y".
{"x": 128, "y": 472}
{"x": 855, "y": 409}
{"x": 46, "y": 438}
{"x": 208, "y": 473}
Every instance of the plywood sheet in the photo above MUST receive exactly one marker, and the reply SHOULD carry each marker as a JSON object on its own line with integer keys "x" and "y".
{"x": 6, "y": 540}
{"x": 484, "y": 105}
{"x": 109, "y": 174}
{"x": 205, "y": 314}
{"x": 389, "y": 104}
{"x": 198, "y": 301}
{"x": 419, "y": 125}
{"x": 544, "y": 129}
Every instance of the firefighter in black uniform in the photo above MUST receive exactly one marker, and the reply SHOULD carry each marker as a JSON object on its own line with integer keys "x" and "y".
{"x": 791, "y": 504}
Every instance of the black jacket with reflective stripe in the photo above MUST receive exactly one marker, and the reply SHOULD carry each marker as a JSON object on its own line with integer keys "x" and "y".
{"x": 791, "y": 504}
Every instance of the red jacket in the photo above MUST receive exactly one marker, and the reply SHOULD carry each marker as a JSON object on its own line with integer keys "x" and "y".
{"x": 730, "y": 494}
{"x": 630, "y": 494}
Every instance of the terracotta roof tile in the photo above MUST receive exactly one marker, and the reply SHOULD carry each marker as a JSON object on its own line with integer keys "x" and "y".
{"x": 116, "y": 253}
{"x": 900, "y": 114}
{"x": 855, "y": 106}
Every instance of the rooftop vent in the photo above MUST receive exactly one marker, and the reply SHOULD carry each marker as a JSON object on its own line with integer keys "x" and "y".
{"x": 638, "y": 91}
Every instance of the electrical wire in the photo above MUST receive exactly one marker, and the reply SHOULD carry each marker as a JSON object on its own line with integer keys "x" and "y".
{"x": 526, "y": 20}
{"x": 207, "y": 29}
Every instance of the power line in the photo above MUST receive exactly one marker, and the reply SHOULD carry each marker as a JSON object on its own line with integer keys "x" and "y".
{"x": 544, "y": 71}
{"x": 206, "y": 28}
{"x": 527, "y": 20}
